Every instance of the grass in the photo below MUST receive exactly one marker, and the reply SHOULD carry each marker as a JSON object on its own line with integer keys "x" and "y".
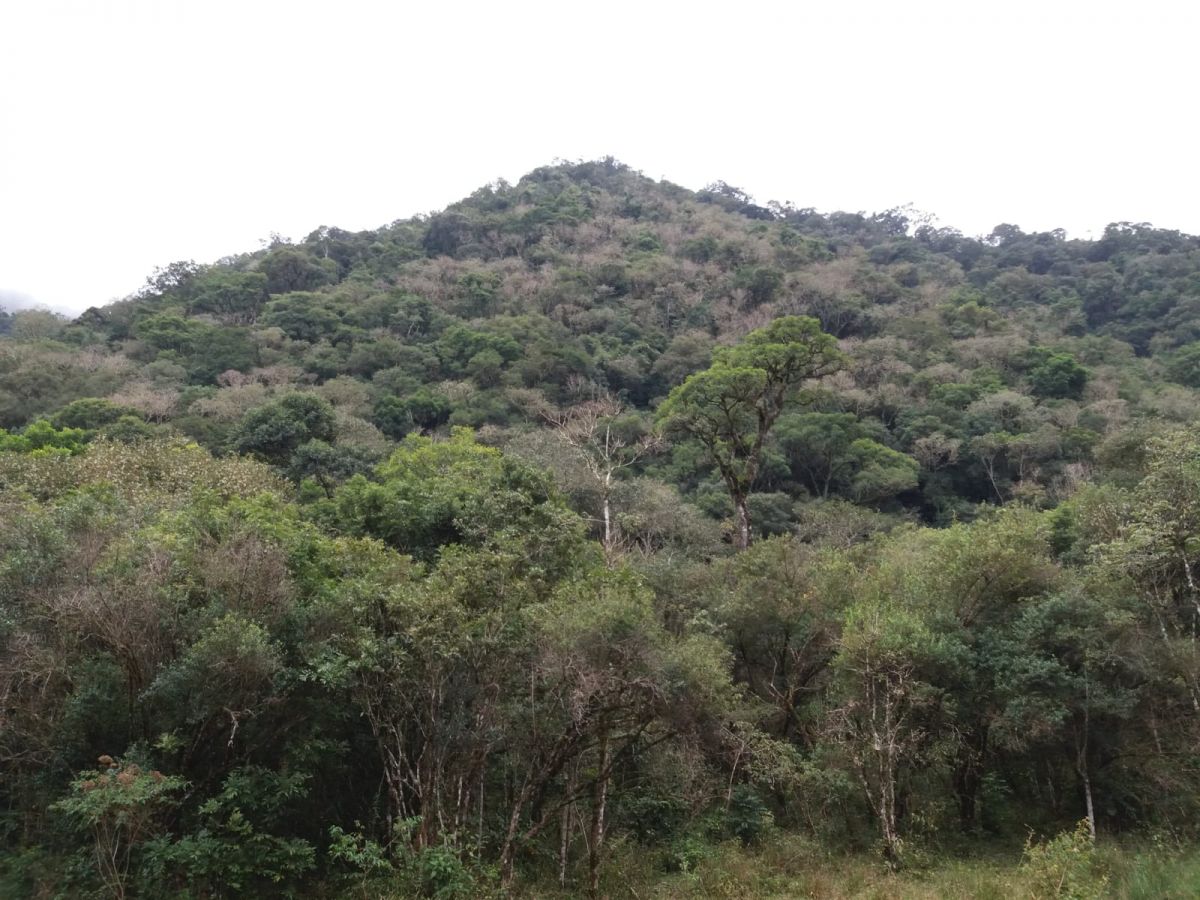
{"x": 792, "y": 866}
{"x": 788, "y": 866}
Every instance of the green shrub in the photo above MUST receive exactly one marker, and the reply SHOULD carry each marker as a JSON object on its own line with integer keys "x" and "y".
{"x": 1066, "y": 866}
{"x": 120, "y": 805}
{"x": 686, "y": 853}
{"x": 232, "y": 852}
{"x": 358, "y": 852}
{"x": 748, "y": 818}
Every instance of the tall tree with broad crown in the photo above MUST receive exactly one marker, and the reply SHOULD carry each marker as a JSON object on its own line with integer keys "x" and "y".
{"x": 731, "y": 406}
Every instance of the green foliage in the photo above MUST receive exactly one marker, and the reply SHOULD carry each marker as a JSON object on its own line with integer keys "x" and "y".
{"x": 459, "y": 345}
{"x": 89, "y": 413}
{"x": 215, "y": 351}
{"x": 420, "y": 677}
{"x": 731, "y": 407}
{"x": 303, "y": 316}
{"x": 329, "y": 465}
{"x": 276, "y": 430}
{"x": 229, "y": 853}
{"x": 358, "y": 852}
{"x": 442, "y": 875}
{"x": 748, "y": 818}
{"x": 1066, "y": 866}
{"x": 423, "y": 409}
{"x": 169, "y": 331}
{"x": 818, "y": 448}
{"x": 1057, "y": 375}
{"x": 1158, "y": 871}
{"x": 235, "y": 297}
{"x": 1184, "y": 365}
{"x": 761, "y": 283}
{"x": 43, "y": 439}
{"x": 231, "y": 665}
{"x": 881, "y": 472}
{"x": 287, "y": 269}
{"x": 129, "y": 430}
{"x": 120, "y": 805}
{"x": 432, "y": 493}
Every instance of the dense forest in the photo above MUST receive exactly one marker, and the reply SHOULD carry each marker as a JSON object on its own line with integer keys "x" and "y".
{"x": 596, "y": 536}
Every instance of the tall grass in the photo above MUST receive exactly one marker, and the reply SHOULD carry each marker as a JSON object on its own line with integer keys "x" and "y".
{"x": 788, "y": 866}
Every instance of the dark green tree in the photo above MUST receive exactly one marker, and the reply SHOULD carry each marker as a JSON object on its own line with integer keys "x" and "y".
{"x": 731, "y": 407}
{"x": 1057, "y": 375}
{"x": 274, "y": 431}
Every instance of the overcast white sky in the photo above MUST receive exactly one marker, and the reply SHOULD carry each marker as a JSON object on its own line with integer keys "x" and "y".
{"x": 137, "y": 132}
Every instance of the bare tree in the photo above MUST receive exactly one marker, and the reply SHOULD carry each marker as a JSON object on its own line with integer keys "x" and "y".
{"x": 592, "y": 429}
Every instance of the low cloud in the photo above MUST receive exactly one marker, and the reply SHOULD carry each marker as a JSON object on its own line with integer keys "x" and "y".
{"x": 12, "y": 301}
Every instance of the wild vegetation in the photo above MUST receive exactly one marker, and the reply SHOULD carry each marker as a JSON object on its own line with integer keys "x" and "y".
{"x": 598, "y": 537}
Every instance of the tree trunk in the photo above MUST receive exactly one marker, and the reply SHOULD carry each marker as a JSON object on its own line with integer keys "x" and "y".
{"x": 968, "y": 777}
{"x": 609, "y": 537}
{"x": 508, "y": 850}
{"x": 967, "y": 786}
{"x": 888, "y": 825}
{"x": 565, "y": 825}
{"x": 564, "y": 844}
{"x": 599, "y": 801}
{"x": 742, "y": 537}
{"x": 1087, "y": 796}
{"x": 1081, "y": 755}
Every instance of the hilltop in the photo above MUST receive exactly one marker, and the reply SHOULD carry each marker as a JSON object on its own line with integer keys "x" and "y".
{"x": 994, "y": 368}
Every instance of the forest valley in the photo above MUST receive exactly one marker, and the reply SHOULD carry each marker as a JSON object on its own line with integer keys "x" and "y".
{"x": 595, "y": 536}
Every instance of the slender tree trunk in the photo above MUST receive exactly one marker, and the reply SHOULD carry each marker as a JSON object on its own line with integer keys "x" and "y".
{"x": 599, "y": 802}
{"x": 887, "y": 812}
{"x": 565, "y": 824}
{"x": 1087, "y": 796}
{"x": 891, "y": 839}
{"x": 609, "y": 537}
{"x": 966, "y": 784}
{"x": 742, "y": 538}
{"x": 508, "y": 850}
{"x": 968, "y": 777}
{"x": 564, "y": 844}
{"x": 1081, "y": 757}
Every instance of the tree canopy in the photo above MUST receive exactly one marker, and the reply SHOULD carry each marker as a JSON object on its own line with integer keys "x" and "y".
{"x": 594, "y": 531}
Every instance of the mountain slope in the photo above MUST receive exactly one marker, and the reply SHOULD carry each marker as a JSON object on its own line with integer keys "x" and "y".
{"x": 1002, "y": 367}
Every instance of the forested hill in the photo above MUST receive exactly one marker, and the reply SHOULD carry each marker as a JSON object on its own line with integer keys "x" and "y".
{"x": 978, "y": 370}
{"x": 597, "y": 536}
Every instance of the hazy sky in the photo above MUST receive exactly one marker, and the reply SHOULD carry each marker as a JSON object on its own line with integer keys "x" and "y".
{"x": 137, "y": 133}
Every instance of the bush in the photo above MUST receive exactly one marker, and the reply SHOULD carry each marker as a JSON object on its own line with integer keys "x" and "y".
{"x": 358, "y": 852}
{"x": 686, "y": 853}
{"x": 120, "y": 805}
{"x": 748, "y": 818}
{"x": 1066, "y": 866}
{"x": 436, "y": 873}
{"x": 443, "y": 875}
